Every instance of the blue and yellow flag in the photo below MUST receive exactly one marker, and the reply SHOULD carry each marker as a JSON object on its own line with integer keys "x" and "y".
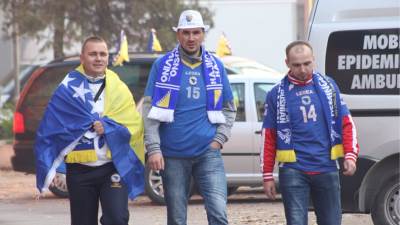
{"x": 122, "y": 47}
{"x": 153, "y": 45}
{"x": 223, "y": 47}
{"x": 69, "y": 115}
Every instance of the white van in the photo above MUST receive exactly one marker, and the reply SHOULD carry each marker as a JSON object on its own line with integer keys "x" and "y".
{"x": 357, "y": 43}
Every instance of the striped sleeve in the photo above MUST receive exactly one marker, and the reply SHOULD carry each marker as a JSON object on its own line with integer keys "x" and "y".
{"x": 268, "y": 153}
{"x": 349, "y": 136}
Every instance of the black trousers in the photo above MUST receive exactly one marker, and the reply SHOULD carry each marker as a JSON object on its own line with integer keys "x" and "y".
{"x": 87, "y": 186}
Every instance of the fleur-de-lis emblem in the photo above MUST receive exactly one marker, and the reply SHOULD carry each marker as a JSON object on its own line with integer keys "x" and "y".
{"x": 285, "y": 135}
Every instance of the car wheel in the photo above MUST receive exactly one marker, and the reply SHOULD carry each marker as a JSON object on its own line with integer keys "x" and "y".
{"x": 386, "y": 210}
{"x": 153, "y": 185}
{"x": 59, "y": 186}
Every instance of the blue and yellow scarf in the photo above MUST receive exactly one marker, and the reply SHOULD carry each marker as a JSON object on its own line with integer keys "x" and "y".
{"x": 330, "y": 101}
{"x": 167, "y": 88}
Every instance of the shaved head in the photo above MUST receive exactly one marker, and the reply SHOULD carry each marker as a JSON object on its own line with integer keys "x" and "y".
{"x": 300, "y": 60}
{"x": 298, "y": 47}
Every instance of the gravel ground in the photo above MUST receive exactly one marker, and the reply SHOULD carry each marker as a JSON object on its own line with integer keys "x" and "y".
{"x": 247, "y": 206}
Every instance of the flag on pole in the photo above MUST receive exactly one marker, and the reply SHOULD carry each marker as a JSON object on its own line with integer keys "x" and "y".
{"x": 122, "y": 47}
{"x": 153, "y": 45}
{"x": 223, "y": 47}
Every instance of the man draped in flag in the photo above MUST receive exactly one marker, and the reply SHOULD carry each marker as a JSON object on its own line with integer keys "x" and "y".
{"x": 92, "y": 124}
{"x": 153, "y": 45}
{"x": 123, "y": 51}
{"x": 223, "y": 47}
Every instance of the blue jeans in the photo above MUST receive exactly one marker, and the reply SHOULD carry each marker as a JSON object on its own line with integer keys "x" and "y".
{"x": 297, "y": 187}
{"x": 208, "y": 173}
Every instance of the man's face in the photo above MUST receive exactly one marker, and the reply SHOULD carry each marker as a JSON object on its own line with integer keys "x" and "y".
{"x": 94, "y": 58}
{"x": 300, "y": 61}
{"x": 190, "y": 39}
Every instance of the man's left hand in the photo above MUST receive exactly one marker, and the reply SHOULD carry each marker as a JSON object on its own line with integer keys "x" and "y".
{"x": 215, "y": 145}
{"x": 98, "y": 127}
{"x": 349, "y": 167}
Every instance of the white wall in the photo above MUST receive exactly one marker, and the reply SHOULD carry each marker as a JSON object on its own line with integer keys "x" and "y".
{"x": 256, "y": 29}
{"x": 30, "y": 51}
{"x": 6, "y": 62}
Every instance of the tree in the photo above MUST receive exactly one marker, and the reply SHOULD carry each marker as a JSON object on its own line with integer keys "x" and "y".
{"x": 18, "y": 20}
{"x": 34, "y": 16}
{"x": 73, "y": 20}
{"x": 162, "y": 16}
{"x": 137, "y": 18}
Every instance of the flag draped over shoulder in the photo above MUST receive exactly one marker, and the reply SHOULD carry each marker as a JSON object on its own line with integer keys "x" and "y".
{"x": 223, "y": 46}
{"x": 70, "y": 114}
{"x": 123, "y": 52}
{"x": 154, "y": 44}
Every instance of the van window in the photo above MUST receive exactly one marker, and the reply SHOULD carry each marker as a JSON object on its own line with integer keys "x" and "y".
{"x": 239, "y": 100}
{"x": 135, "y": 77}
{"x": 39, "y": 94}
{"x": 43, "y": 86}
{"x": 260, "y": 93}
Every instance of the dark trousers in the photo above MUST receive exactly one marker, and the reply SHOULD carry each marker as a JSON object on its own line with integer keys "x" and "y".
{"x": 87, "y": 186}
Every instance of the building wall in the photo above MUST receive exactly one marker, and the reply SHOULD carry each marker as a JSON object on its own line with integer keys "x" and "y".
{"x": 30, "y": 52}
{"x": 6, "y": 62}
{"x": 256, "y": 29}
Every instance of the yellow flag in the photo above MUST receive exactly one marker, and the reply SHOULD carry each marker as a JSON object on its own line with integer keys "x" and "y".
{"x": 122, "y": 55}
{"x": 223, "y": 47}
{"x": 154, "y": 44}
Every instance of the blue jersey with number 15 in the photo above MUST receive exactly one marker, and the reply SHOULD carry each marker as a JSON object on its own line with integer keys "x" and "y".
{"x": 191, "y": 132}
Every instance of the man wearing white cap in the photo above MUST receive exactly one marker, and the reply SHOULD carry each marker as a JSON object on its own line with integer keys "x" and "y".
{"x": 188, "y": 114}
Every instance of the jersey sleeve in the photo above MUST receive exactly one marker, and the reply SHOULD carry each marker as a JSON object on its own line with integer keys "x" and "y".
{"x": 349, "y": 131}
{"x": 268, "y": 152}
{"x": 349, "y": 137}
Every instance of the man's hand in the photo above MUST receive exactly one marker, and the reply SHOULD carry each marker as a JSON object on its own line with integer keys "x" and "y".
{"x": 98, "y": 127}
{"x": 215, "y": 145}
{"x": 156, "y": 161}
{"x": 349, "y": 167}
{"x": 269, "y": 189}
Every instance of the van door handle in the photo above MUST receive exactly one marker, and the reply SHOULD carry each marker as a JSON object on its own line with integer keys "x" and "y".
{"x": 257, "y": 132}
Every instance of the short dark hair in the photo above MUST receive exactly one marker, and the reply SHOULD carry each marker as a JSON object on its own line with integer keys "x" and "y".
{"x": 92, "y": 39}
{"x": 295, "y": 43}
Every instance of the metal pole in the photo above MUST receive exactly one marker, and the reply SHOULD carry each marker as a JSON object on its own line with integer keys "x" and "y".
{"x": 15, "y": 40}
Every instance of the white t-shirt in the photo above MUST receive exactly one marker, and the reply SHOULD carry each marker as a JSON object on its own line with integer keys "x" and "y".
{"x": 99, "y": 108}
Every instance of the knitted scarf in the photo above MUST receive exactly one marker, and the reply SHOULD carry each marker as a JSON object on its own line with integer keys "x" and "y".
{"x": 167, "y": 86}
{"x": 330, "y": 102}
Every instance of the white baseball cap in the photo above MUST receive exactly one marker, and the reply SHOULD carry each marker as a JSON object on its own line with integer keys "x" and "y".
{"x": 190, "y": 19}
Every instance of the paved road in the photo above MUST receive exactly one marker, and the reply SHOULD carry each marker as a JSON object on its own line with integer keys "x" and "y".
{"x": 18, "y": 205}
{"x": 243, "y": 209}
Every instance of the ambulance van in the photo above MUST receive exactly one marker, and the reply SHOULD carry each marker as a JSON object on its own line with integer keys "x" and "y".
{"x": 357, "y": 43}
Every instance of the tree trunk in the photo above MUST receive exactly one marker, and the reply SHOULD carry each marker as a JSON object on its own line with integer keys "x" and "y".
{"x": 59, "y": 30}
{"x": 102, "y": 9}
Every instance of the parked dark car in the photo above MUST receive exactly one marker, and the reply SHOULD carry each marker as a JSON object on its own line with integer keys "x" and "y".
{"x": 39, "y": 88}
{"x": 44, "y": 80}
